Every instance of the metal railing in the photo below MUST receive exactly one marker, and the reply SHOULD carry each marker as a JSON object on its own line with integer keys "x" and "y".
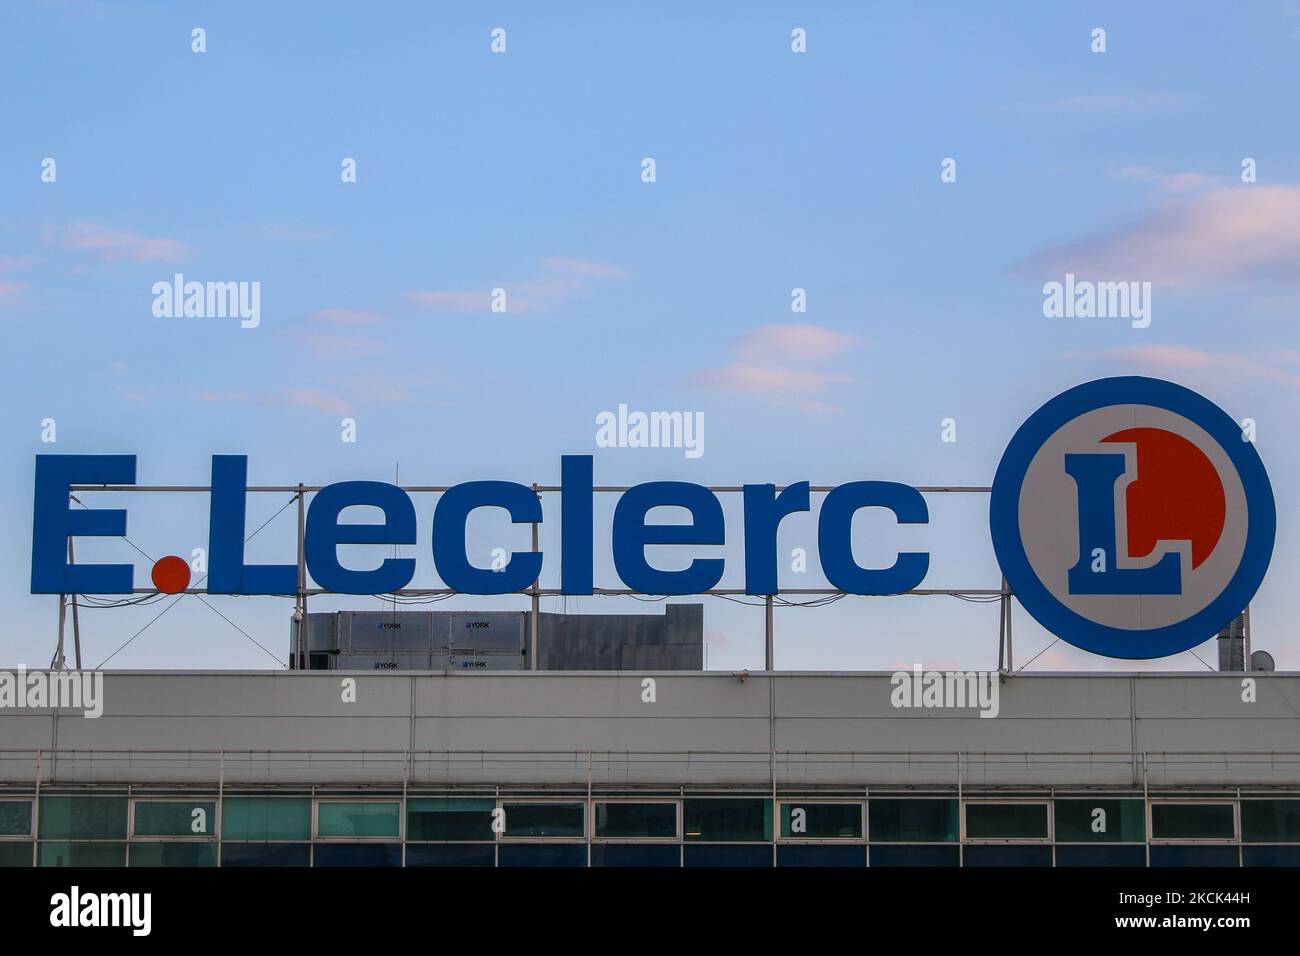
{"x": 606, "y": 769}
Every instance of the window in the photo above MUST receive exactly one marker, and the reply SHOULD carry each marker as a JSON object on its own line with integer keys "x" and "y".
{"x": 60, "y": 853}
{"x": 641, "y": 820}
{"x": 1006, "y": 821}
{"x": 811, "y": 854}
{"x": 187, "y": 853}
{"x": 266, "y": 854}
{"x": 1259, "y": 856}
{"x": 89, "y": 818}
{"x": 1191, "y": 821}
{"x": 265, "y": 818}
{"x": 434, "y": 819}
{"x": 727, "y": 819}
{"x": 923, "y": 855}
{"x": 821, "y": 821}
{"x": 358, "y": 854}
{"x": 636, "y": 854}
{"x": 1194, "y": 855}
{"x": 543, "y": 854}
{"x": 175, "y": 818}
{"x": 1100, "y": 821}
{"x": 451, "y": 854}
{"x": 1070, "y": 855}
{"x": 1270, "y": 821}
{"x": 745, "y": 855}
{"x": 1008, "y": 854}
{"x": 544, "y": 820}
{"x": 15, "y": 818}
{"x": 912, "y": 820}
{"x": 358, "y": 818}
{"x": 15, "y": 853}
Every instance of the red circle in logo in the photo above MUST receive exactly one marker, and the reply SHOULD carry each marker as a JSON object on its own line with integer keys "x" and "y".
{"x": 171, "y": 574}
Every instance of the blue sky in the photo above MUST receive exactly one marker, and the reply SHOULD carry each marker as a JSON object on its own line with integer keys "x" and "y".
{"x": 522, "y": 170}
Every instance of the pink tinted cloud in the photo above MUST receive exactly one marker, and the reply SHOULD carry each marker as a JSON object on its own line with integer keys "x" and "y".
{"x": 1239, "y": 233}
{"x": 561, "y": 280}
{"x": 345, "y": 317}
{"x": 764, "y": 360}
{"x": 115, "y": 244}
{"x": 1182, "y": 358}
{"x": 17, "y": 263}
{"x": 795, "y": 340}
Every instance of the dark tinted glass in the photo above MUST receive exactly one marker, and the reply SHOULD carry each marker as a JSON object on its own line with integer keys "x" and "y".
{"x": 1194, "y": 855}
{"x": 428, "y": 819}
{"x": 1008, "y": 855}
{"x": 451, "y": 854}
{"x": 15, "y": 853}
{"x": 632, "y": 854}
{"x": 902, "y": 855}
{"x": 751, "y": 855}
{"x": 636, "y": 820}
{"x": 794, "y": 854}
{"x": 83, "y": 854}
{"x": 1191, "y": 821}
{"x": 1270, "y": 821}
{"x": 1101, "y": 856}
{"x": 358, "y": 854}
{"x": 912, "y": 820}
{"x": 1271, "y": 855}
{"x": 543, "y": 854}
{"x": 821, "y": 820}
{"x": 1100, "y": 821}
{"x": 1006, "y": 821}
{"x": 730, "y": 819}
{"x": 265, "y": 854}
{"x": 173, "y": 854}
{"x": 543, "y": 820}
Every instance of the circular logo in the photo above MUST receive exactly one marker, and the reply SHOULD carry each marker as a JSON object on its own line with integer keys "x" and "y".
{"x": 1131, "y": 518}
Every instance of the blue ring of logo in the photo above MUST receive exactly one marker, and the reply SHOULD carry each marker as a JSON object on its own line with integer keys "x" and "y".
{"x": 1069, "y": 625}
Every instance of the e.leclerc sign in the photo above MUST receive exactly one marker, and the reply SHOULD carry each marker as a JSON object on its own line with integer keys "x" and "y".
{"x": 1128, "y": 515}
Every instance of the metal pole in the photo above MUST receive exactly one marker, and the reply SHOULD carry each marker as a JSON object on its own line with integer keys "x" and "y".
{"x": 57, "y": 663}
{"x": 76, "y": 621}
{"x": 300, "y": 599}
{"x": 770, "y": 653}
{"x": 1011, "y": 661}
{"x": 1245, "y": 630}
{"x": 535, "y": 616}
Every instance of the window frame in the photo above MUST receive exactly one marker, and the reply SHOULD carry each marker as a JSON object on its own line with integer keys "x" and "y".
{"x": 782, "y": 802}
{"x": 953, "y": 798}
{"x": 544, "y": 801}
{"x": 1231, "y": 802}
{"x": 31, "y": 819}
{"x": 1048, "y": 817}
{"x": 212, "y": 837}
{"x": 316, "y": 837}
{"x": 675, "y": 803}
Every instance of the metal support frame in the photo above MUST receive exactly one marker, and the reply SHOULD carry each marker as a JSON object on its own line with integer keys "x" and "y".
{"x": 535, "y": 591}
{"x": 1006, "y": 659}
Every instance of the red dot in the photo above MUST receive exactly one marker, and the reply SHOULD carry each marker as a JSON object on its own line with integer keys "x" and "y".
{"x": 171, "y": 575}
